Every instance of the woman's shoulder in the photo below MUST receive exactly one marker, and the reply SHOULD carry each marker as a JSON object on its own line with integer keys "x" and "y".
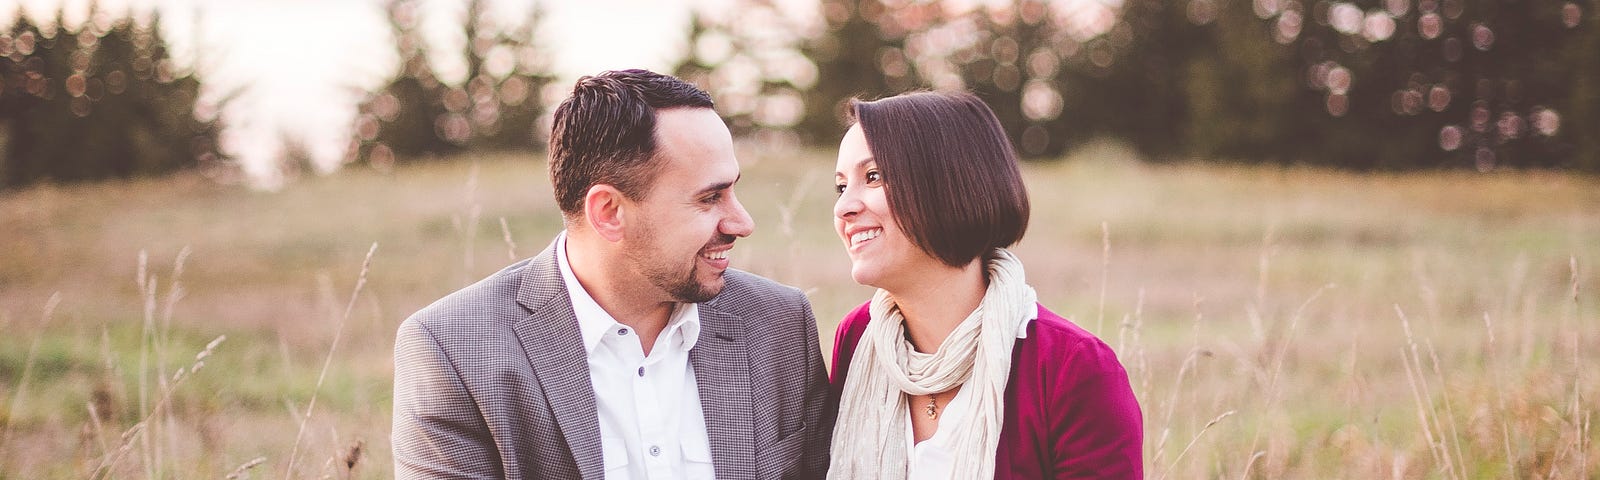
{"x": 853, "y": 324}
{"x": 1055, "y": 343}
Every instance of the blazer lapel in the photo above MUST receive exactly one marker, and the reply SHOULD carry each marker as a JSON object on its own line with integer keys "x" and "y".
{"x": 554, "y": 346}
{"x": 722, "y": 371}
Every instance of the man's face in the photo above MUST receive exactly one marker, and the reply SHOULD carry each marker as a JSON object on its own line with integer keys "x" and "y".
{"x": 689, "y": 218}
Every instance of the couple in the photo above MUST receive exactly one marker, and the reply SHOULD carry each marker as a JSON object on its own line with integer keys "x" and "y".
{"x": 629, "y": 349}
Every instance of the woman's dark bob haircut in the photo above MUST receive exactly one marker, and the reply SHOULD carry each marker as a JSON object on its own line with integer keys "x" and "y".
{"x": 949, "y": 172}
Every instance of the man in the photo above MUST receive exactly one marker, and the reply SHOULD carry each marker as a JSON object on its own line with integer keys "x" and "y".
{"x": 628, "y": 348}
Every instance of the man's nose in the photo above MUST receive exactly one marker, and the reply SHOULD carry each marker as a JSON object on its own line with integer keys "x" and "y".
{"x": 738, "y": 223}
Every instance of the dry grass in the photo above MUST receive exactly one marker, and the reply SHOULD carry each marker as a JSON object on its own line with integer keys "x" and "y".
{"x": 1276, "y": 323}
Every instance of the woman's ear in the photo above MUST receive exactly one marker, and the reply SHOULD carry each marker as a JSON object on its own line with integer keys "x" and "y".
{"x": 603, "y": 209}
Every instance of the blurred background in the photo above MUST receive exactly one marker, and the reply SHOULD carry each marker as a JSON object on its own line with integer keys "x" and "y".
{"x": 1329, "y": 239}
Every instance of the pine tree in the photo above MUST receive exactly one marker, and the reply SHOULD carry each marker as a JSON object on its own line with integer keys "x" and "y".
{"x": 860, "y": 54}
{"x": 82, "y": 103}
{"x": 416, "y": 116}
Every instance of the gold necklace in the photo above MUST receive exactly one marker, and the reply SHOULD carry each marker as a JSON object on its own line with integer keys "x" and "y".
{"x": 933, "y": 406}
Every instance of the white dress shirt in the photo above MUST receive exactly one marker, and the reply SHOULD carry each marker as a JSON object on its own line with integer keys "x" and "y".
{"x": 651, "y": 423}
{"x": 935, "y": 457}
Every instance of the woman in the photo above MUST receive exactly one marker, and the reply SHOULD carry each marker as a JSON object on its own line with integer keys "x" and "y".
{"x": 953, "y": 370}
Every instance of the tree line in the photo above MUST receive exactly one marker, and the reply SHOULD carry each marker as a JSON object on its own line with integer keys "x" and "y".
{"x": 1359, "y": 84}
{"x": 104, "y": 99}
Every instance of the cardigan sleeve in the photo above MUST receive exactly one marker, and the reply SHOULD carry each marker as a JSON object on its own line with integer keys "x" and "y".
{"x": 844, "y": 349}
{"x": 1098, "y": 425}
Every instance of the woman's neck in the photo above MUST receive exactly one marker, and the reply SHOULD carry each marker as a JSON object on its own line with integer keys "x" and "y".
{"x": 939, "y": 300}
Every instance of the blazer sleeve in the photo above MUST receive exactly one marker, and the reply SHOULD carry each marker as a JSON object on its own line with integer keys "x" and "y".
{"x": 438, "y": 432}
{"x": 1100, "y": 431}
{"x": 819, "y": 417}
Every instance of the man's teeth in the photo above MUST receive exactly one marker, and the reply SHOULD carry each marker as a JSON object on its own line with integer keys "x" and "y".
{"x": 719, "y": 255}
{"x": 865, "y": 235}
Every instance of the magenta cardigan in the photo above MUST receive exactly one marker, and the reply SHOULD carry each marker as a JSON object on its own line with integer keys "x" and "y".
{"x": 1069, "y": 410}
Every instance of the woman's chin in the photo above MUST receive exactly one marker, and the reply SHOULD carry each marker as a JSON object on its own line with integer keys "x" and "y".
{"x": 862, "y": 275}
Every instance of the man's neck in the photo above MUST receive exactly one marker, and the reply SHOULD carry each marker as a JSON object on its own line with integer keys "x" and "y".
{"x": 624, "y": 294}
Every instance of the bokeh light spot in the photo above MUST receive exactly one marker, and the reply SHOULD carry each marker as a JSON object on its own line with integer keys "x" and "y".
{"x": 25, "y": 43}
{"x": 1484, "y": 159}
{"x": 1345, "y": 18}
{"x": 1288, "y": 27}
{"x": 1479, "y": 116}
{"x": 76, "y": 85}
{"x": 1379, "y": 27}
{"x": 1430, "y": 25}
{"x": 381, "y": 157}
{"x": 1546, "y": 121}
{"x": 1510, "y": 126}
{"x": 1438, "y": 98}
{"x": 1041, "y": 101}
{"x": 1397, "y": 8}
{"x": 1338, "y": 104}
{"x": 1339, "y": 80}
{"x": 1482, "y": 37}
{"x": 81, "y": 106}
{"x": 1202, "y": 12}
{"x": 1450, "y": 138}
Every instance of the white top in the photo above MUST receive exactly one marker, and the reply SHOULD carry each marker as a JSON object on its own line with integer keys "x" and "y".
{"x": 651, "y": 423}
{"x": 935, "y": 457}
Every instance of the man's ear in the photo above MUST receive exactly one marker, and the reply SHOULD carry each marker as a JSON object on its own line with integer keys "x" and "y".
{"x": 603, "y": 209}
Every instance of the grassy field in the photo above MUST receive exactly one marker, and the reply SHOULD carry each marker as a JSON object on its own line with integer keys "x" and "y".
{"x": 1276, "y": 323}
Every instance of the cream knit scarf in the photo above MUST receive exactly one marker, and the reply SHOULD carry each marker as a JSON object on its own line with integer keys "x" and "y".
{"x": 869, "y": 438}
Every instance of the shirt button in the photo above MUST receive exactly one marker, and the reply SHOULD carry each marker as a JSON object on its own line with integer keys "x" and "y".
{"x": 622, "y": 331}
{"x": 641, "y": 371}
{"x": 655, "y": 451}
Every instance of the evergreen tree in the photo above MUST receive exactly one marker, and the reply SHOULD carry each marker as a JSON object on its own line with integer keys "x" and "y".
{"x": 1015, "y": 66}
{"x": 748, "y": 64}
{"x": 416, "y": 116}
{"x": 84, "y": 103}
{"x": 861, "y": 53}
{"x": 1580, "y": 111}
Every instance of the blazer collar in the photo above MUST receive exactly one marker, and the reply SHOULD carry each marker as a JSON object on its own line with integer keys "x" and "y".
{"x": 721, "y": 363}
{"x": 554, "y": 346}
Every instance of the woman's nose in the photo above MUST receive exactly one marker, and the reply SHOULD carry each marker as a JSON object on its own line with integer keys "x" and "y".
{"x": 848, "y": 204}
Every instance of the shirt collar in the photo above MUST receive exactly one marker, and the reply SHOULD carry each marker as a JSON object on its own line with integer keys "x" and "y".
{"x": 594, "y": 322}
{"x": 1022, "y": 325}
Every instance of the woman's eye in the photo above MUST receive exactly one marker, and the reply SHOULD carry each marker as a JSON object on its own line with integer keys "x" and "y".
{"x": 839, "y": 189}
{"x": 874, "y": 177}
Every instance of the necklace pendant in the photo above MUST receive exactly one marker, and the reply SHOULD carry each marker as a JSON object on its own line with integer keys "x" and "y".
{"x": 933, "y": 408}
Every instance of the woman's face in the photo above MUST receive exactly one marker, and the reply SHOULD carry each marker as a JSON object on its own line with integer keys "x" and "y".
{"x": 881, "y": 255}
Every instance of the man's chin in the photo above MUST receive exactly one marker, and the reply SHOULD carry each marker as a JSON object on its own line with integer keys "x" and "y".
{"x": 702, "y": 292}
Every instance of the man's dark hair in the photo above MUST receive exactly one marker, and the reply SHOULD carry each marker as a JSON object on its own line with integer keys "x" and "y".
{"x": 950, "y": 174}
{"x": 605, "y": 133}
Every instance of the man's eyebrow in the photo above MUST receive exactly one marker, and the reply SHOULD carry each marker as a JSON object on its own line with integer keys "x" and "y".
{"x": 719, "y": 186}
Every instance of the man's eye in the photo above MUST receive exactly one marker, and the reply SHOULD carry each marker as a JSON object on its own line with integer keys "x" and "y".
{"x": 713, "y": 198}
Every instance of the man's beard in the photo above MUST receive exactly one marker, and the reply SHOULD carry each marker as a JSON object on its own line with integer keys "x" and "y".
{"x": 682, "y": 287}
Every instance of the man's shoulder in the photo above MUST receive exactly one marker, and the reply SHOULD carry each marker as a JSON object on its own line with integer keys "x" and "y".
{"x": 490, "y": 301}
{"x": 744, "y": 290}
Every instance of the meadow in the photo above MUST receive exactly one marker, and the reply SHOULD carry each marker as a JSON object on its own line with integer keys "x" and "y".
{"x": 1276, "y": 322}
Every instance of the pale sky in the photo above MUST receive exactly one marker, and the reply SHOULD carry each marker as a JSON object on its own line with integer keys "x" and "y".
{"x": 340, "y": 49}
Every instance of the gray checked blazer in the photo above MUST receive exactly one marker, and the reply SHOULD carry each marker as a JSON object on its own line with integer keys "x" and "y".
{"x": 492, "y": 381}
